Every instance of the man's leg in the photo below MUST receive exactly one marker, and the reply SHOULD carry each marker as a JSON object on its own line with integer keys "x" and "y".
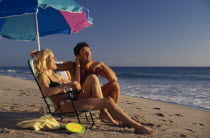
{"x": 92, "y": 89}
{"x": 111, "y": 89}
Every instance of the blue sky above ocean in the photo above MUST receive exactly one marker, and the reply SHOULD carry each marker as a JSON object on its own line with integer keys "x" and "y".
{"x": 131, "y": 33}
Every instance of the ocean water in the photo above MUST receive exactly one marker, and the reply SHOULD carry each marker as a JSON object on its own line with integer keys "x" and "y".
{"x": 189, "y": 86}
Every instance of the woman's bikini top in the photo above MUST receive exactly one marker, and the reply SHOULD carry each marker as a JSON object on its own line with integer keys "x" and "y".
{"x": 52, "y": 83}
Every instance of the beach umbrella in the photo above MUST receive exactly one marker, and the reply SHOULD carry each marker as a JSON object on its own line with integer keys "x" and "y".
{"x": 32, "y": 19}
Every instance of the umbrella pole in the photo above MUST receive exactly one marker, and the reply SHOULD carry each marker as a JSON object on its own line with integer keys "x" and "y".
{"x": 38, "y": 44}
{"x": 37, "y": 32}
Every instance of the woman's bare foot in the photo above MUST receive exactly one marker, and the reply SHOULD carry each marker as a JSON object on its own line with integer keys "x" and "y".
{"x": 145, "y": 131}
{"x": 105, "y": 116}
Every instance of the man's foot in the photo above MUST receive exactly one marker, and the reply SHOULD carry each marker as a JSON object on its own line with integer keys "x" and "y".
{"x": 104, "y": 117}
{"x": 126, "y": 125}
{"x": 111, "y": 121}
{"x": 145, "y": 131}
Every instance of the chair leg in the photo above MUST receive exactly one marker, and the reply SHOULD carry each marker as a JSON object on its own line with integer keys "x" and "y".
{"x": 44, "y": 108}
{"x": 62, "y": 118}
{"x": 86, "y": 117}
{"x": 76, "y": 111}
{"x": 92, "y": 118}
{"x": 78, "y": 119}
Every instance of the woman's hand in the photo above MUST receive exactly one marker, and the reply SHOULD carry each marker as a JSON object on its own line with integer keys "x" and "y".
{"x": 74, "y": 85}
{"x": 77, "y": 85}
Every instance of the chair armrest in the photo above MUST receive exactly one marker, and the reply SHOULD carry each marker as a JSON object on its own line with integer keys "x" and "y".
{"x": 75, "y": 91}
{"x": 69, "y": 92}
{"x": 59, "y": 94}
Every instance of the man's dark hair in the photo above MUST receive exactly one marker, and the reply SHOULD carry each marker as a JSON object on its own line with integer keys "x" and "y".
{"x": 79, "y": 46}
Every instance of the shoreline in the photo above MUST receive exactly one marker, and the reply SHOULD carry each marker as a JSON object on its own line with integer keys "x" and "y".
{"x": 188, "y": 106}
{"x": 21, "y": 100}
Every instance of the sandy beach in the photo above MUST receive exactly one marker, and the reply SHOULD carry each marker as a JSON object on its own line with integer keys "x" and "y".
{"x": 21, "y": 100}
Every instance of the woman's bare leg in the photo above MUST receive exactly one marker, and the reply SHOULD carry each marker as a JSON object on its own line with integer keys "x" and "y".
{"x": 114, "y": 110}
{"x": 92, "y": 89}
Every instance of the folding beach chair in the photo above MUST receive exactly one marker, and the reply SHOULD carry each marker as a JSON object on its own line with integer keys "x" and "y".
{"x": 50, "y": 104}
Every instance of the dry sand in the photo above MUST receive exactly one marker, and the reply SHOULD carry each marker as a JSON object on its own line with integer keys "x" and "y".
{"x": 21, "y": 100}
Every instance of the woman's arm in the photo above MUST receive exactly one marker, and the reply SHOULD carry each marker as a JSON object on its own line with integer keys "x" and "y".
{"x": 63, "y": 80}
{"x": 44, "y": 84}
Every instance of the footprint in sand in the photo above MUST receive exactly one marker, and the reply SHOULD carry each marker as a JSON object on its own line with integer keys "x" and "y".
{"x": 32, "y": 105}
{"x": 179, "y": 115}
{"x": 147, "y": 124}
{"x": 190, "y": 130}
{"x": 156, "y": 108}
{"x": 171, "y": 121}
{"x": 168, "y": 120}
{"x": 140, "y": 122}
{"x": 160, "y": 114}
{"x": 198, "y": 124}
{"x": 23, "y": 93}
{"x": 201, "y": 124}
{"x": 4, "y": 130}
{"x": 12, "y": 107}
{"x": 128, "y": 102}
{"x": 183, "y": 135}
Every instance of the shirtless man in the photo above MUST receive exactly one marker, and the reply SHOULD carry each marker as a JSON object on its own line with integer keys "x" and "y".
{"x": 90, "y": 68}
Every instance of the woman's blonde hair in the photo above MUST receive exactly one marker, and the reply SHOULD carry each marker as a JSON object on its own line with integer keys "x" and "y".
{"x": 40, "y": 64}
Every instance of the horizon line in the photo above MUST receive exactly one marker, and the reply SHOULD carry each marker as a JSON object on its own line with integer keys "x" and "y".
{"x": 136, "y": 66}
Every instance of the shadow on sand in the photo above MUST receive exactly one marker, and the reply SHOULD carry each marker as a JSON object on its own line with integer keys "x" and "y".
{"x": 10, "y": 119}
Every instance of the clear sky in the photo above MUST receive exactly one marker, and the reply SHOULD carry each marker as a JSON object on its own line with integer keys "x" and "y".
{"x": 131, "y": 33}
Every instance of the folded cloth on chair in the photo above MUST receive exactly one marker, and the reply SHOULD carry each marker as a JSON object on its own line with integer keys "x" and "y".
{"x": 44, "y": 122}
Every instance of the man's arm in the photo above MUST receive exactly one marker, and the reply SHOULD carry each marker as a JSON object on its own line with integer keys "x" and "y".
{"x": 77, "y": 70}
{"x": 64, "y": 66}
{"x": 103, "y": 70}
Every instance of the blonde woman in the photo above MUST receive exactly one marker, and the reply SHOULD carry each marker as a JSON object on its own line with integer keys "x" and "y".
{"x": 52, "y": 84}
